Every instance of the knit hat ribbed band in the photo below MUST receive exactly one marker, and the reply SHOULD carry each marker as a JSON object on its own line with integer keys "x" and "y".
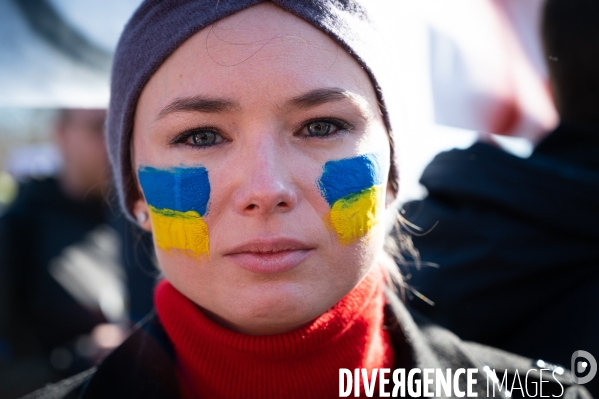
{"x": 158, "y": 27}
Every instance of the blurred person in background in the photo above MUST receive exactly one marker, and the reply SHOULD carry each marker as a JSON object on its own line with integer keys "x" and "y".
{"x": 65, "y": 289}
{"x": 515, "y": 240}
{"x": 80, "y": 138}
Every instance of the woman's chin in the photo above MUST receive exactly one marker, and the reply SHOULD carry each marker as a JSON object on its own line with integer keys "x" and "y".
{"x": 271, "y": 310}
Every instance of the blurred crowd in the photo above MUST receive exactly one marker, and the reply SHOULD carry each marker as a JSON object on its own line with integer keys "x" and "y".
{"x": 74, "y": 274}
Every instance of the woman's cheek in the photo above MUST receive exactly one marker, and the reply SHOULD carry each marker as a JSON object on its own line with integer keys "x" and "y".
{"x": 353, "y": 188}
{"x": 178, "y": 200}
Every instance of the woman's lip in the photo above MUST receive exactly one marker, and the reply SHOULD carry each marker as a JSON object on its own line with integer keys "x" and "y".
{"x": 269, "y": 245}
{"x": 270, "y": 255}
{"x": 270, "y": 262}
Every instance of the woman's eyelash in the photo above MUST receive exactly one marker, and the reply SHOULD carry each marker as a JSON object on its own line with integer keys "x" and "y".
{"x": 202, "y": 137}
{"x": 321, "y": 127}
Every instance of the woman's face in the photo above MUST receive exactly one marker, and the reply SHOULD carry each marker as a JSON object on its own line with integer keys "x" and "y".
{"x": 263, "y": 161}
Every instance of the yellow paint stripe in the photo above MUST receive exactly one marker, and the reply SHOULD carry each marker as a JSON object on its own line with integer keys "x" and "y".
{"x": 185, "y": 231}
{"x": 354, "y": 215}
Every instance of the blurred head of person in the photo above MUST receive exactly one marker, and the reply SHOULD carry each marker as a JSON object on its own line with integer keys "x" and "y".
{"x": 570, "y": 31}
{"x": 79, "y": 134}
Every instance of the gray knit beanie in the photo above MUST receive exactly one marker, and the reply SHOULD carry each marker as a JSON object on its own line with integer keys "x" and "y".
{"x": 158, "y": 27}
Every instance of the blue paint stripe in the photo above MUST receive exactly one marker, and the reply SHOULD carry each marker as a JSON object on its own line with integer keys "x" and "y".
{"x": 349, "y": 176}
{"x": 179, "y": 189}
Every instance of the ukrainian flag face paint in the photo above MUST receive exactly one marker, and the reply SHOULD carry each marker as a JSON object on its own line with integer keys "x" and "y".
{"x": 353, "y": 188}
{"x": 178, "y": 199}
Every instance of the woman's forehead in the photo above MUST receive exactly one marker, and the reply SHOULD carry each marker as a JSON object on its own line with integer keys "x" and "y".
{"x": 261, "y": 50}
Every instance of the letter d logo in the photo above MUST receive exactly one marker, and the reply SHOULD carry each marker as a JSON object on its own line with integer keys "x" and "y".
{"x": 580, "y": 367}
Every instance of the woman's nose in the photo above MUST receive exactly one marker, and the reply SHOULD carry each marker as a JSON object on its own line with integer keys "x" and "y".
{"x": 266, "y": 186}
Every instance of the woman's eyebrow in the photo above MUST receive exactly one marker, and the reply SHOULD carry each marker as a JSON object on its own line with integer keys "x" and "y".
{"x": 319, "y": 96}
{"x": 198, "y": 103}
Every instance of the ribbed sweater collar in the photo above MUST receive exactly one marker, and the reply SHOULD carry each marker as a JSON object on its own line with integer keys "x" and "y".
{"x": 215, "y": 362}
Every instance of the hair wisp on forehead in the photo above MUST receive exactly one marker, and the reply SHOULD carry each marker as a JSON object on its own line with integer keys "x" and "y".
{"x": 158, "y": 28}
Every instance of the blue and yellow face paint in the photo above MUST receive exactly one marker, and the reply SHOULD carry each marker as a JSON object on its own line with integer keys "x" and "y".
{"x": 178, "y": 199}
{"x": 353, "y": 188}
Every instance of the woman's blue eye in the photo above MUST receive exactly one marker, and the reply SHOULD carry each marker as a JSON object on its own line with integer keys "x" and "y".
{"x": 319, "y": 128}
{"x": 203, "y": 138}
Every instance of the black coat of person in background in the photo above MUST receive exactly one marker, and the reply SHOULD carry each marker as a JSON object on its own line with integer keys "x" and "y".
{"x": 62, "y": 248}
{"x": 516, "y": 240}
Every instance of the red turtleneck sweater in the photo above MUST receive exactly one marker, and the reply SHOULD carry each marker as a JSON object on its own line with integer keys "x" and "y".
{"x": 215, "y": 362}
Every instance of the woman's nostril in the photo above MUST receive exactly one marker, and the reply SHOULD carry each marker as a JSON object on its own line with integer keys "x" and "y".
{"x": 282, "y": 205}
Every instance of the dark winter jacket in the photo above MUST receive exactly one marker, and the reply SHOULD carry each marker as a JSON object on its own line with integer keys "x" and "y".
{"x": 143, "y": 366}
{"x": 516, "y": 242}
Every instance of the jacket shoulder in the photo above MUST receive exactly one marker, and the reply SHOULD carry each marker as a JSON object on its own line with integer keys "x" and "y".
{"x": 142, "y": 366}
{"x": 512, "y": 372}
{"x": 69, "y": 388}
{"x": 498, "y": 373}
